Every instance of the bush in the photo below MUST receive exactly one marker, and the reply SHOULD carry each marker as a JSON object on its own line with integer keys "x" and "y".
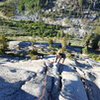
{"x": 34, "y": 57}
{"x": 95, "y": 57}
{"x": 52, "y": 52}
{"x": 33, "y": 52}
{"x": 12, "y": 54}
{"x": 50, "y": 41}
{"x": 70, "y": 56}
{"x": 3, "y": 42}
{"x": 85, "y": 50}
{"x": 22, "y": 55}
{"x": 64, "y": 42}
{"x": 1, "y": 51}
{"x": 95, "y": 41}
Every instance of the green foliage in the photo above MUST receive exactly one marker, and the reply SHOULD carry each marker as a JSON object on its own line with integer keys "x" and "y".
{"x": 52, "y": 52}
{"x": 13, "y": 54}
{"x": 64, "y": 43}
{"x": 85, "y": 50}
{"x": 3, "y": 42}
{"x": 33, "y": 52}
{"x": 88, "y": 38}
{"x": 95, "y": 56}
{"x": 8, "y": 8}
{"x": 30, "y": 28}
{"x": 1, "y": 51}
{"x": 96, "y": 38}
{"x": 34, "y": 57}
{"x": 70, "y": 56}
{"x": 50, "y": 41}
{"x": 31, "y": 6}
{"x": 80, "y": 2}
{"x": 61, "y": 34}
{"x": 22, "y": 55}
{"x": 93, "y": 37}
{"x": 95, "y": 41}
{"x": 16, "y": 54}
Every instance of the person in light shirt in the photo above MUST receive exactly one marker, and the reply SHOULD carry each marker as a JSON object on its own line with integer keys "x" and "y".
{"x": 60, "y": 56}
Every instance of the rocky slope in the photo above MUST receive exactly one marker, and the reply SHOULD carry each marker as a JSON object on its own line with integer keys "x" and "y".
{"x": 74, "y": 16}
{"x": 41, "y": 80}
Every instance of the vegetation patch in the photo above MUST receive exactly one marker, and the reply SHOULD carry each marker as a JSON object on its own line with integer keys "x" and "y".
{"x": 30, "y": 28}
{"x": 70, "y": 55}
{"x": 95, "y": 56}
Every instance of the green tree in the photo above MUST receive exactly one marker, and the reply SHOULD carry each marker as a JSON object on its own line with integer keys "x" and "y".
{"x": 87, "y": 38}
{"x": 93, "y": 37}
{"x": 96, "y": 38}
{"x": 3, "y": 43}
{"x": 95, "y": 41}
{"x": 50, "y": 41}
{"x": 80, "y": 2}
{"x": 61, "y": 33}
{"x": 64, "y": 43}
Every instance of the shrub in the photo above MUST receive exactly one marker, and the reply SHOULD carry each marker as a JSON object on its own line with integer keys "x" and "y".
{"x": 12, "y": 54}
{"x": 50, "y": 41}
{"x": 3, "y": 42}
{"x": 1, "y": 51}
{"x": 95, "y": 41}
{"x": 64, "y": 43}
{"x": 85, "y": 50}
{"x": 34, "y": 57}
{"x": 33, "y": 52}
{"x": 53, "y": 52}
{"x": 22, "y": 55}
{"x": 94, "y": 56}
{"x": 69, "y": 55}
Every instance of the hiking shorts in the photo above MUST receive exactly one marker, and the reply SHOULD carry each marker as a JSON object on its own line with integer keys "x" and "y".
{"x": 62, "y": 55}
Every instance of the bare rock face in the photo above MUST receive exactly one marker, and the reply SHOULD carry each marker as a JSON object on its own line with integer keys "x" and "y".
{"x": 42, "y": 80}
{"x": 11, "y": 81}
{"x": 72, "y": 87}
{"x": 20, "y": 83}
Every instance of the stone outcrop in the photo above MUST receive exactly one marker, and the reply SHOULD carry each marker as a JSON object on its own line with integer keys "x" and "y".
{"x": 42, "y": 80}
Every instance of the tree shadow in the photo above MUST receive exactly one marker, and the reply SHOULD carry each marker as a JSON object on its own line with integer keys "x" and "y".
{"x": 24, "y": 44}
{"x": 9, "y": 58}
{"x": 92, "y": 90}
{"x": 85, "y": 66}
{"x": 74, "y": 48}
{"x": 13, "y": 91}
{"x": 66, "y": 68}
{"x": 72, "y": 90}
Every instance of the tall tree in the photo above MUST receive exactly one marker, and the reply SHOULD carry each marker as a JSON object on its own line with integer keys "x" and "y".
{"x": 88, "y": 38}
{"x": 3, "y": 43}
{"x": 64, "y": 43}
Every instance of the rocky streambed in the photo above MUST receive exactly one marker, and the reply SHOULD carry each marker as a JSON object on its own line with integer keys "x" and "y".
{"x": 43, "y": 80}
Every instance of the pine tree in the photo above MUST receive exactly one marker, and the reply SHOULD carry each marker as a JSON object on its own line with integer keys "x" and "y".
{"x": 96, "y": 38}
{"x": 64, "y": 43}
{"x": 88, "y": 38}
{"x": 95, "y": 41}
{"x": 3, "y": 43}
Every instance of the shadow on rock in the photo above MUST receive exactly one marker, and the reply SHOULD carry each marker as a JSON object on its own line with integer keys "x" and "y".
{"x": 13, "y": 91}
{"x": 93, "y": 92}
{"x": 66, "y": 68}
{"x": 85, "y": 66}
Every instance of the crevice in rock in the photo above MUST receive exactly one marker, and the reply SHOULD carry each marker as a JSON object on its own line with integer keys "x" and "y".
{"x": 52, "y": 85}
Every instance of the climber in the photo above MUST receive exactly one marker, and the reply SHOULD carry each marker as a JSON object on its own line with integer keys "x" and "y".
{"x": 60, "y": 55}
